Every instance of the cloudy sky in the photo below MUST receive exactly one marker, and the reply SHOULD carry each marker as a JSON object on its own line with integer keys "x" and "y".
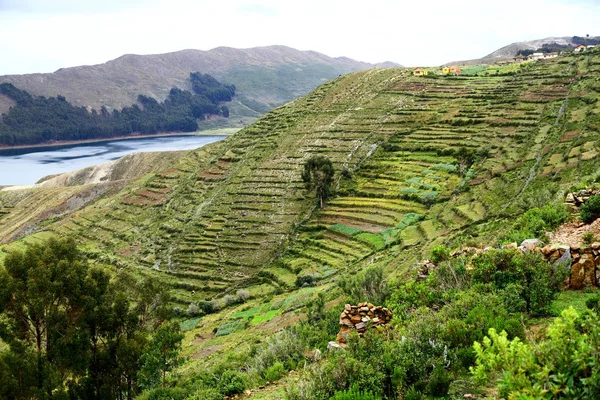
{"x": 44, "y": 35}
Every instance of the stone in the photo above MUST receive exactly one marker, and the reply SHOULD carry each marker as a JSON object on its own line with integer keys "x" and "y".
{"x": 346, "y": 321}
{"x": 531, "y": 244}
{"x": 365, "y": 319}
{"x": 558, "y": 246}
{"x": 356, "y": 319}
{"x": 570, "y": 198}
{"x": 375, "y": 320}
{"x": 370, "y": 305}
{"x": 342, "y": 336}
{"x": 575, "y": 247}
{"x": 510, "y": 246}
{"x": 583, "y": 273}
{"x": 347, "y": 308}
{"x": 360, "y": 326}
{"x": 546, "y": 250}
{"x": 596, "y": 245}
{"x": 333, "y": 346}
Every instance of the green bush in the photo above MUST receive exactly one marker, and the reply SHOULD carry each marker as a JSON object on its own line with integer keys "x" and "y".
{"x": 439, "y": 254}
{"x": 588, "y": 238}
{"x": 368, "y": 286}
{"x": 274, "y": 372}
{"x": 206, "y": 394}
{"x": 565, "y": 365}
{"x": 231, "y": 382}
{"x": 165, "y": 394}
{"x": 593, "y": 302}
{"x": 535, "y": 222}
{"x": 354, "y": 393}
{"x": 538, "y": 280}
{"x": 590, "y": 210}
{"x": 439, "y": 382}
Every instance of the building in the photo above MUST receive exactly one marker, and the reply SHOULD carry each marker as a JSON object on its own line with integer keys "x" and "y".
{"x": 420, "y": 72}
{"x": 550, "y": 55}
{"x": 580, "y": 48}
{"x": 536, "y": 56}
{"x": 519, "y": 58}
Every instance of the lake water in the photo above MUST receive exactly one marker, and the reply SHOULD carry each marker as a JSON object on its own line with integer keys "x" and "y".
{"x": 27, "y": 166}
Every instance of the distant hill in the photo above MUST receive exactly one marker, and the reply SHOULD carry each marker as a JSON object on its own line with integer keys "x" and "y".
{"x": 507, "y": 52}
{"x": 265, "y": 77}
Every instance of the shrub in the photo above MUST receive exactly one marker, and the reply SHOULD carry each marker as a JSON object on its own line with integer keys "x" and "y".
{"x": 539, "y": 281}
{"x": 165, "y": 394}
{"x": 565, "y": 365}
{"x": 231, "y": 382}
{"x": 208, "y": 306}
{"x": 274, "y": 372}
{"x": 369, "y": 286}
{"x": 354, "y": 393}
{"x": 439, "y": 382}
{"x": 206, "y": 394}
{"x": 535, "y": 222}
{"x": 590, "y": 210}
{"x": 242, "y": 295}
{"x": 193, "y": 310}
{"x": 440, "y": 253}
{"x": 593, "y": 302}
{"x": 588, "y": 238}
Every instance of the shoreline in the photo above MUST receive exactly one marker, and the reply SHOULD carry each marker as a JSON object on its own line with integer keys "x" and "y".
{"x": 208, "y": 132}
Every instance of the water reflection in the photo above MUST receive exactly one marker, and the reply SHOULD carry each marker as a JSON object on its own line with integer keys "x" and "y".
{"x": 27, "y": 166}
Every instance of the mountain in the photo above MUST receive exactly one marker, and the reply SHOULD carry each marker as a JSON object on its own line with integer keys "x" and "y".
{"x": 508, "y": 52}
{"x": 424, "y": 165}
{"x": 265, "y": 77}
{"x": 220, "y": 215}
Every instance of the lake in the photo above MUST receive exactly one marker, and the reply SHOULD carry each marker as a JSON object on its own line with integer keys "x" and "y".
{"x": 27, "y": 166}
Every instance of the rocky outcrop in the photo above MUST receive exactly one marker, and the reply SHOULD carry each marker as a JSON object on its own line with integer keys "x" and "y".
{"x": 584, "y": 263}
{"x": 359, "y": 318}
{"x": 576, "y": 199}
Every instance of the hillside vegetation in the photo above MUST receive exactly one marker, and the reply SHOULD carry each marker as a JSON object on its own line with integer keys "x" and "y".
{"x": 35, "y": 120}
{"x": 420, "y": 161}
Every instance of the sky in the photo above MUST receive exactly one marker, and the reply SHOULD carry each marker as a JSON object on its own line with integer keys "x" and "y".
{"x": 45, "y": 35}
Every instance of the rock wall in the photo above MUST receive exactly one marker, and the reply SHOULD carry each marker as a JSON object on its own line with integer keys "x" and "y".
{"x": 584, "y": 261}
{"x": 359, "y": 318}
{"x": 576, "y": 199}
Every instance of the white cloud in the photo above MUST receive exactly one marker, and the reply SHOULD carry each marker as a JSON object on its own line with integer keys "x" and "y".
{"x": 38, "y": 37}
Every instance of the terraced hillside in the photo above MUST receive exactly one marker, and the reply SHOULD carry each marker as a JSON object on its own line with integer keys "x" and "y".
{"x": 224, "y": 216}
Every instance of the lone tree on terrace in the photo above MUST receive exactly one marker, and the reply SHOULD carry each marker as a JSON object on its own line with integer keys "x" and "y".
{"x": 318, "y": 174}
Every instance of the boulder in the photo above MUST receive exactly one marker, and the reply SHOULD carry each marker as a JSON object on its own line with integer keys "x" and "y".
{"x": 333, "y": 346}
{"x": 531, "y": 244}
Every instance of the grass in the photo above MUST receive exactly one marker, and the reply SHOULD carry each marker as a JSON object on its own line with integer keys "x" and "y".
{"x": 572, "y": 298}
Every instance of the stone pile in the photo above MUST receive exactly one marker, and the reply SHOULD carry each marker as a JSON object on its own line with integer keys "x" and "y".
{"x": 358, "y": 318}
{"x": 584, "y": 262}
{"x": 576, "y": 199}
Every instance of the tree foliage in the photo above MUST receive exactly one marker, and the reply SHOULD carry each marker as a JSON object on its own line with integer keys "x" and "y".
{"x": 39, "y": 119}
{"x": 318, "y": 174}
{"x": 71, "y": 330}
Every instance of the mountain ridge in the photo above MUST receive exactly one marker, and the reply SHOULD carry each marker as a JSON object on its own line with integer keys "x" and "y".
{"x": 266, "y": 77}
{"x": 509, "y": 51}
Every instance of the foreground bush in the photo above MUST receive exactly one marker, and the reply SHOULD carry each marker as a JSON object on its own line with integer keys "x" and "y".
{"x": 565, "y": 365}
{"x": 590, "y": 210}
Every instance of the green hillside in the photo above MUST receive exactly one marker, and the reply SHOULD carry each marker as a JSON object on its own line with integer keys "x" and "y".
{"x": 420, "y": 162}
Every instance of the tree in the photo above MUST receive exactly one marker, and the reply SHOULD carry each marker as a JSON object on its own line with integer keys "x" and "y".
{"x": 318, "y": 174}
{"x": 71, "y": 330}
{"x": 41, "y": 294}
{"x": 162, "y": 355}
